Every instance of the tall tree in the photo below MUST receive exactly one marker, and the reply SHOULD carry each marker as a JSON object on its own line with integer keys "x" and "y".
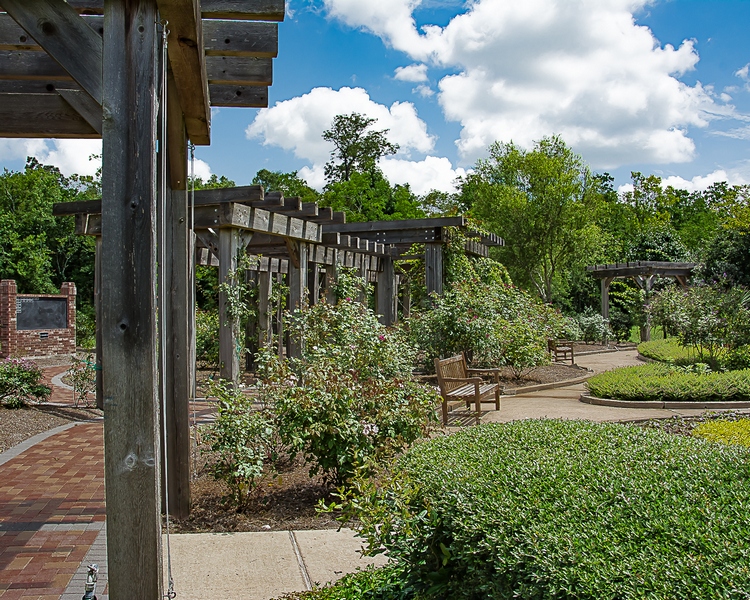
{"x": 289, "y": 184}
{"x": 357, "y": 148}
{"x": 540, "y": 201}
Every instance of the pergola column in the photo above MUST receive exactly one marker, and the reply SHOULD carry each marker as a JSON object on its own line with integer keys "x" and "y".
{"x": 229, "y": 246}
{"x": 433, "y": 263}
{"x": 297, "y": 286}
{"x": 128, "y": 300}
{"x": 606, "y": 281}
{"x": 265, "y": 309}
{"x": 332, "y": 274}
{"x": 385, "y": 292}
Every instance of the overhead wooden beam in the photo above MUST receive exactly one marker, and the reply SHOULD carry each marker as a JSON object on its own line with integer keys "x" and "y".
{"x": 41, "y": 115}
{"x": 19, "y": 64}
{"x": 187, "y": 62}
{"x": 243, "y": 70}
{"x": 402, "y": 225}
{"x": 15, "y": 37}
{"x": 84, "y": 105}
{"x": 246, "y": 193}
{"x": 248, "y": 96}
{"x": 255, "y": 10}
{"x": 241, "y": 38}
{"x": 65, "y": 36}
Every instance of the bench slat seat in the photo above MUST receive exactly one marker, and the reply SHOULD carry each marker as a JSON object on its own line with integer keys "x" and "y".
{"x": 456, "y": 385}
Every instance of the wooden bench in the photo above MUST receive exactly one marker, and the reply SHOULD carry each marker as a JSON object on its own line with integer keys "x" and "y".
{"x": 561, "y": 351}
{"x": 456, "y": 383}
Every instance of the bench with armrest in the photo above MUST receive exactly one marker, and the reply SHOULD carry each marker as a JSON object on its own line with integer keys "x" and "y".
{"x": 561, "y": 351}
{"x": 459, "y": 383}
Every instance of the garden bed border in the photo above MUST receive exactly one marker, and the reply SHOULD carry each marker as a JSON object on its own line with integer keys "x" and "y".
{"x": 587, "y": 399}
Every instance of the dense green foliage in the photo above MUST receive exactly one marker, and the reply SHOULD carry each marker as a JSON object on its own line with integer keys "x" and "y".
{"x": 666, "y": 383}
{"x": 561, "y": 509}
{"x": 20, "y": 382}
{"x": 728, "y": 432}
{"x": 668, "y": 351}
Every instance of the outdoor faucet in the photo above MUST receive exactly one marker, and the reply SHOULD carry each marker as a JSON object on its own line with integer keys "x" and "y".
{"x": 90, "y": 588}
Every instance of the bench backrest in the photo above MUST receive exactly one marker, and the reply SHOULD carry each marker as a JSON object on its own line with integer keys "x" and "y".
{"x": 453, "y": 367}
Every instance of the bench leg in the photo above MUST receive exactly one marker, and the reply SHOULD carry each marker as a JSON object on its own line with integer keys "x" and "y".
{"x": 445, "y": 412}
{"x": 497, "y": 399}
{"x": 478, "y": 401}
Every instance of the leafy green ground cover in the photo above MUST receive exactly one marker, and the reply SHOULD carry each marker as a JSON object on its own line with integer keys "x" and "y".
{"x": 663, "y": 383}
{"x": 558, "y": 509}
{"x": 668, "y": 351}
{"x": 729, "y": 432}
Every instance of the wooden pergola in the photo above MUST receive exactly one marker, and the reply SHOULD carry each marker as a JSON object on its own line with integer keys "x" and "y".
{"x": 94, "y": 68}
{"x": 644, "y": 274}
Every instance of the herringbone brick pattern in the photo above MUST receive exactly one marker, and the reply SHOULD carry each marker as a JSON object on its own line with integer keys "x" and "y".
{"x": 51, "y": 510}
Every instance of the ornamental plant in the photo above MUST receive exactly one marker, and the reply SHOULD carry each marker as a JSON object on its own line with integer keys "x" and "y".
{"x": 557, "y": 509}
{"x": 82, "y": 375}
{"x": 20, "y": 382}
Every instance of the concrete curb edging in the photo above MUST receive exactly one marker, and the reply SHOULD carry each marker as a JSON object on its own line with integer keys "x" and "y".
{"x": 585, "y": 398}
{"x": 546, "y": 386}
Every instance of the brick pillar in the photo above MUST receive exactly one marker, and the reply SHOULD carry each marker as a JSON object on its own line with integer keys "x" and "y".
{"x": 68, "y": 288}
{"x": 8, "y": 336}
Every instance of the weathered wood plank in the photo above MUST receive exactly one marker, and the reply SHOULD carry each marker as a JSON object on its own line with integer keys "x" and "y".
{"x": 228, "y": 70}
{"x": 176, "y": 138}
{"x": 229, "y": 325}
{"x": 34, "y": 86}
{"x": 241, "y": 38}
{"x": 247, "y": 96}
{"x": 41, "y": 115}
{"x": 19, "y": 64}
{"x": 401, "y": 225}
{"x": 244, "y": 194}
{"x": 65, "y": 36}
{"x": 385, "y": 292}
{"x": 188, "y": 65}
{"x": 131, "y": 425}
{"x": 258, "y": 10}
{"x": 177, "y": 345}
{"x": 84, "y": 105}
{"x": 433, "y": 263}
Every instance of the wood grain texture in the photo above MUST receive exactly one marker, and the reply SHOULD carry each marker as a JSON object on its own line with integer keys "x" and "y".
{"x": 131, "y": 424}
{"x": 19, "y": 64}
{"x": 241, "y": 38}
{"x": 84, "y": 105}
{"x": 260, "y": 10}
{"x": 15, "y": 37}
{"x": 41, "y": 115}
{"x": 247, "y": 96}
{"x": 229, "y": 70}
{"x": 187, "y": 62}
{"x": 228, "y": 325}
{"x": 65, "y": 36}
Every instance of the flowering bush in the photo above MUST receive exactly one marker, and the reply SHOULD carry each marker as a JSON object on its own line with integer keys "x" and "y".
{"x": 492, "y": 322}
{"x": 20, "y": 381}
{"x": 82, "y": 375}
{"x": 593, "y": 326}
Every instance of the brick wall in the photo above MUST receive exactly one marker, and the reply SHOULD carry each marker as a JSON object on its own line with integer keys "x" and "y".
{"x": 35, "y": 342}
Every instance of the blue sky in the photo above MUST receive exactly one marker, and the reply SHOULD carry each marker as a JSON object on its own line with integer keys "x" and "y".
{"x": 659, "y": 87}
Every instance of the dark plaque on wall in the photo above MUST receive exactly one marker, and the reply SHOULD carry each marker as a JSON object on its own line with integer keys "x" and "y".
{"x": 41, "y": 313}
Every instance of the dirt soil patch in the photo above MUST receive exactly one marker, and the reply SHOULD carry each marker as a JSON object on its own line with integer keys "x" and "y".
{"x": 19, "y": 424}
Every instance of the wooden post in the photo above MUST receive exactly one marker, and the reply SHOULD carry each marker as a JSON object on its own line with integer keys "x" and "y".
{"x": 251, "y": 330}
{"x": 385, "y": 292}
{"x": 177, "y": 354}
{"x": 265, "y": 327}
{"x": 606, "y": 281}
{"x": 433, "y": 264}
{"x": 98, "y": 317}
{"x": 131, "y": 435}
{"x": 332, "y": 272}
{"x": 297, "y": 291}
{"x": 229, "y": 243}
{"x": 279, "y": 320}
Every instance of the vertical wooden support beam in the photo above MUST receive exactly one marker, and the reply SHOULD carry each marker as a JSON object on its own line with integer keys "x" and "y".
{"x": 98, "y": 317}
{"x": 229, "y": 244}
{"x": 280, "y": 319}
{"x": 251, "y": 329}
{"x": 606, "y": 281}
{"x": 265, "y": 309}
{"x": 433, "y": 264}
{"x": 364, "y": 274}
{"x": 177, "y": 354}
{"x": 131, "y": 435}
{"x": 314, "y": 284}
{"x": 385, "y": 292}
{"x": 332, "y": 274}
{"x": 297, "y": 291}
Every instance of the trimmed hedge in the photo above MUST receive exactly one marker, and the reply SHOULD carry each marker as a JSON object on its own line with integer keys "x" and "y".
{"x": 668, "y": 350}
{"x": 659, "y": 382}
{"x": 561, "y": 509}
{"x": 728, "y": 432}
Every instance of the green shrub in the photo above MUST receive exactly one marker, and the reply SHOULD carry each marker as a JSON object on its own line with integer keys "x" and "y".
{"x": 728, "y": 432}
{"x": 663, "y": 383}
{"x": 593, "y": 326}
{"x": 564, "y": 509}
{"x": 82, "y": 373}
{"x": 243, "y": 440}
{"x": 207, "y": 338}
{"x": 737, "y": 358}
{"x": 85, "y": 330}
{"x": 21, "y": 381}
{"x": 620, "y": 322}
{"x": 668, "y": 351}
{"x": 385, "y": 583}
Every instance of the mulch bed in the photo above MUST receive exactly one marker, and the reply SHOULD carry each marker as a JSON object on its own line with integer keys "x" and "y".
{"x": 19, "y": 424}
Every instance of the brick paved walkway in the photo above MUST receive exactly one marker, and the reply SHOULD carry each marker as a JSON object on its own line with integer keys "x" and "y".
{"x": 51, "y": 512}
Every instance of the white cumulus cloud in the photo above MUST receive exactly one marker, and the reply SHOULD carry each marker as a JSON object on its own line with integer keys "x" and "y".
{"x": 70, "y": 156}
{"x": 432, "y": 173}
{"x": 583, "y": 69}
{"x": 416, "y": 73}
